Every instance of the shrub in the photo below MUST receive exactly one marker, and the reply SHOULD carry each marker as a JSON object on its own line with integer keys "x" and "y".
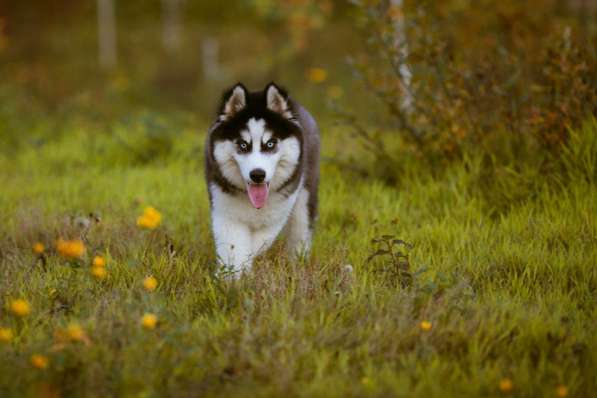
{"x": 455, "y": 78}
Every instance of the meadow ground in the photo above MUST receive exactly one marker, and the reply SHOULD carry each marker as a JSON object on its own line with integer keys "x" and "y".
{"x": 489, "y": 301}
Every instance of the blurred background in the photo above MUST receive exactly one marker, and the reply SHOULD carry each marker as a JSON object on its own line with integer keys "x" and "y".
{"x": 407, "y": 79}
{"x": 171, "y": 54}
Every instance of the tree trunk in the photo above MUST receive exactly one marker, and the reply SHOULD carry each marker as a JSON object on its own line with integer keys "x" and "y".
{"x": 210, "y": 53}
{"x": 402, "y": 47}
{"x": 171, "y": 25}
{"x": 106, "y": 29}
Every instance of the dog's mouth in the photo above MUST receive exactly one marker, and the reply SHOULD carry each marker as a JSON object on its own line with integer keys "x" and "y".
{"x": 258, "y": 194}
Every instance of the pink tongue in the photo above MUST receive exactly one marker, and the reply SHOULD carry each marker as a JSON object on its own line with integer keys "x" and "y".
{"x": 258, "y": 194}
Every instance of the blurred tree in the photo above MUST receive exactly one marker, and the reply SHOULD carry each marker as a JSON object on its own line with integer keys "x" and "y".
{"x": 169, "y": 52}
{"x": 106, "y": 29}
{"x": 396, "y": 13}
{"x": 210, "y": 52}
{"x": 172, "y": 25}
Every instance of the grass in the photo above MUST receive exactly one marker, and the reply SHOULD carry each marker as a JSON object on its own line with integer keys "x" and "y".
{"x": 494, "y": 296}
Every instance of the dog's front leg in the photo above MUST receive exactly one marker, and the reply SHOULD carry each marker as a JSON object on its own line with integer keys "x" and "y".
{"x": 263, "y": 238}
{"x": 233, "y": 244}
{"x": 298, "y": 241}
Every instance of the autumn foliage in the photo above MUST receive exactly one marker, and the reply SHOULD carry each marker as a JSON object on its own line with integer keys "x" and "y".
{"x": 522, "y": 74}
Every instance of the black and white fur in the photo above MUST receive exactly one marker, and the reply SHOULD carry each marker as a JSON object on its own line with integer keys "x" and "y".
{"x": 269, "y": 134}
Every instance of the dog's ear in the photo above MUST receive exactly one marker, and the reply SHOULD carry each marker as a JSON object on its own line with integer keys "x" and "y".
{"x": 277, "y": 100}
{"x": 233, "y": 101}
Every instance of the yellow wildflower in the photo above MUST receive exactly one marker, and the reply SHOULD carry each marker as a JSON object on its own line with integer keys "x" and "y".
{"x": 99, "y": 273}
{"x": 150, "y": 283}
{"x": 38, "y": 248}
{"x": 317, "y": 75}
{"x": 562, "y": 391}
{"x": 20, "y": 307}
{"x": 150, "y": 218}
{"x": 148, "y": 321}
{"x": 99, "y": 261}
{"x": 75, "y": 332}
{"x": 5, "y": 335}
{"x": 425, "y": 325}
{"x": 70, "y": 248}
{"x": 506, "y": 385}
{"x": 40, "y": 361}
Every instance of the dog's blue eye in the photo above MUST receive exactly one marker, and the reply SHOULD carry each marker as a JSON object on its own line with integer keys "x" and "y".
{"x": 270, "y": 144}
{"x": 243, "y": 146}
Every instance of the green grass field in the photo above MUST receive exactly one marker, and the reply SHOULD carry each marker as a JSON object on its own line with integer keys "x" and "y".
{"x": 494, "y": 298}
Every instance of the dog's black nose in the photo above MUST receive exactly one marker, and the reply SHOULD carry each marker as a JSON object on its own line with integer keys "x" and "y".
{"x": 257, "y": 175}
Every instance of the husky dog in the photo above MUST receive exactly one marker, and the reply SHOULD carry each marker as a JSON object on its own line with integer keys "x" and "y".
{"x": 262, "y": 172}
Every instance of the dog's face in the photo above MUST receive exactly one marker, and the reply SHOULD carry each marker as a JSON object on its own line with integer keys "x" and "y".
{"x": 256, "y": 143}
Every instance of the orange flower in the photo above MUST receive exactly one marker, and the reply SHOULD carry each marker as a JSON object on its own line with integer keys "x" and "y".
{"x": 149, "y": 321}
{"x": 70, "y": 248}
{"x": 317, "y": 75}
{"x": 75, "y": 332}
{"x": 5, "y": 335}
{"x": 20, "y": 307}
{"x": 425, "y": 325}
{"x": 99, "y": 261}
{"x": 506, "y": 385}
{"x": 38, "y": 248}
{"x": 150, "y": 283}
{"x": 40, "y": 361}
{"x": 99, "y": 273}
{"x": 150, "y": 218}
{"x": 562, "y": 391}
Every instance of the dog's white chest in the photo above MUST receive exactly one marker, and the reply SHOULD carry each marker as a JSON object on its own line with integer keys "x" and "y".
{"x": 238, "y": 209}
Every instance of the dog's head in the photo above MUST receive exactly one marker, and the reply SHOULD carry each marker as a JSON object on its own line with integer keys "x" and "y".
{"x": 256, "y": 142}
